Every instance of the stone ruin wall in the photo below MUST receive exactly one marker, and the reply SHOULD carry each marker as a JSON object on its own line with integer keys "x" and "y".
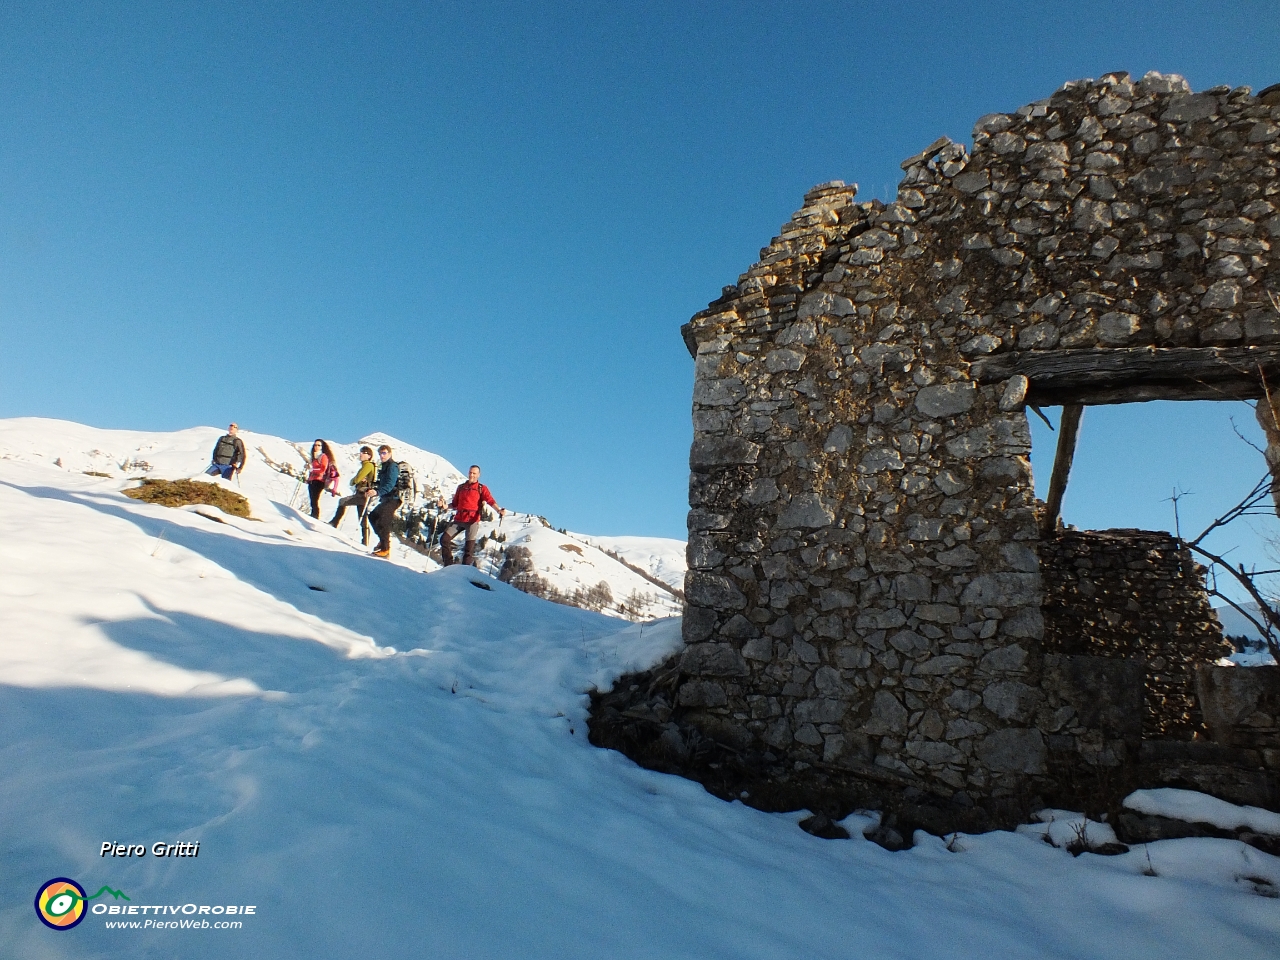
{"x": 866, "y": 584}
{"x": 1134, "y": 595}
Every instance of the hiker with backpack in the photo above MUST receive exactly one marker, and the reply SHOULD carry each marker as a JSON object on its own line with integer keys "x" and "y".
{"x": 362, "y": 483}
{"x": 388, "y": 490}
{"x": 321, "y": 472}
{"x": 228, "y": 455}
{"x": 468, "y": 510}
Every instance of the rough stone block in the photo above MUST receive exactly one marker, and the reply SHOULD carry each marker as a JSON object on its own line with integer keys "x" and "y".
{"x": 1010, "y": 659}
{"x": 701, "y": 693}
{"x": 739, "y": 628}
{"x": 933, "y": 752}
{"x": 808, "y": 734}
{"x": 937, "y": 612}
{"x": 698, "y": 624}
{"x": 819, "y": 711}
{"x": 1011, "y": 700}
{"x": 778, "y": 361}
{"x": 709, "y": 590}
{"x": 806, "y": 511}
{"x": 946, "y": 400}
{"x": 830, "y": 684}
{"x": 1230, "y": 696}
{"x": 1106, "y": 693}
{"x": 888, "y": 715}
{"x": 908, "y": 642}
{"x": 722, "y": 451}
{"x": 1013, "y": 750}
{"x": 719, "y": 393}
{"x": 839, "y": 439}
{"x": 760, "y": 491}
{"x": 820, "y": 303}
{"x": 1002, "y": 590}
{"x": 805, "y": 652}
{"x": 713, "y": 660}
{"x": 939, "y": 666}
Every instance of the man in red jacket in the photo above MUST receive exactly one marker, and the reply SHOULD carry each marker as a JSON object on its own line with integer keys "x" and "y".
{"x": 468, "y": 506}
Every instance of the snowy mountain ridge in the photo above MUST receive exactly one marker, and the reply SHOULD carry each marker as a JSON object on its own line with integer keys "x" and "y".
{"x": 567, "y": 563}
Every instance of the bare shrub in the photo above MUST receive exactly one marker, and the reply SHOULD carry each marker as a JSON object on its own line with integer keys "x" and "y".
{"x": 181, "y": 493}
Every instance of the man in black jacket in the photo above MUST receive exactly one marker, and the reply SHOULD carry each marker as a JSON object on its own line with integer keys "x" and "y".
{"x": 228, "y": 455}
{"x": 388, "y": 501}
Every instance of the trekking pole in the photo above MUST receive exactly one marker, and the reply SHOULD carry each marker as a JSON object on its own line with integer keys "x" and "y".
{"x": 435, "y": 522}
{"x": 364, "y": 524}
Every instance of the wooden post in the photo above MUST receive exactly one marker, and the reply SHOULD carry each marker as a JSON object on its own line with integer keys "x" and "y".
{"x": 1265, "y": 411}
{"x": 1068, "y": 430}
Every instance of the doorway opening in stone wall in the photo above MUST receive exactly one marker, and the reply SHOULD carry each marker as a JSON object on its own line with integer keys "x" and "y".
{"x": 1134, "y": 462}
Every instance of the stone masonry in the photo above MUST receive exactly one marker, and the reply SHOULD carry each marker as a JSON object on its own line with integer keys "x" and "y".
{"x": 1134, "y": 595}
{"x": 867, "y": 580}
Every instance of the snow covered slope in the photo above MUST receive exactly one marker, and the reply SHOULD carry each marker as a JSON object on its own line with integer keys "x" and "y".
{"x": 118, "y": 458}
{"x": 1236, "y": 625}
{"x": 387, "y": 764}
{"x": 658, "y": 556}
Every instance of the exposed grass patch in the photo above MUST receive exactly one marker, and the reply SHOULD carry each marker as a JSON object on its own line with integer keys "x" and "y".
{"x": 180, "y": 493}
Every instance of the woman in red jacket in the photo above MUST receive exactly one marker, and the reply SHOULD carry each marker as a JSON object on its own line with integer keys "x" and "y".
{"x": 318, "y": 473}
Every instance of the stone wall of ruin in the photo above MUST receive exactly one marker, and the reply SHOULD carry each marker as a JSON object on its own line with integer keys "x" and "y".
{"x": 1134, "y": 595}
{"x": 1242, "y": 708}
{"x": 866, "y": 584}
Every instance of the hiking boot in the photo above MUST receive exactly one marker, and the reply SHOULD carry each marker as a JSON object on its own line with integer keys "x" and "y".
{"x": 382, "y": 552}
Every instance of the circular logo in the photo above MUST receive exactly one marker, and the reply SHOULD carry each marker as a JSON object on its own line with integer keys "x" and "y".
{"x": 60, "y": 903}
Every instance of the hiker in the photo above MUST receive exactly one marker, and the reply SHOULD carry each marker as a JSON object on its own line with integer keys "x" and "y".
{"x": 321, "y": 471}
{"x": 362, "y": 483}
{"x": 468, "y": 509}
{"x": 228, "y": 455}
{"x": 388, "y": 501}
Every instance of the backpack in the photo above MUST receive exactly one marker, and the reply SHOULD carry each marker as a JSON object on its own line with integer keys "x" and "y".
{"x": 484, "y": 513}
{"x": 226, "y": 450}
{"x": 404, "y": 483}
{"x": 331, "y": 478}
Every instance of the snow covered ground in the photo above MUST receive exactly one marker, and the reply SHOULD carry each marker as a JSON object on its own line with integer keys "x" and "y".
{"x": 1192, "y": 807}
{"x": 1235, "y": 624}
{"x": 384, "y": 763}
{"x": 660, "y": 557}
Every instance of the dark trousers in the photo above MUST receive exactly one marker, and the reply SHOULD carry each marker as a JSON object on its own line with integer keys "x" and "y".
{"x": 450, "y": 531}
{"x": 381, "y": 517}
{"x": 360, "y": 501}
{"x": 315, "y": 488}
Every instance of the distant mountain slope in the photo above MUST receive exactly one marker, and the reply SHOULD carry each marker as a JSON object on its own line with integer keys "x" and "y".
{"x": 661, "y": 557}
{"x": 1236, "y": 625}
{"x": 571, "y": 564}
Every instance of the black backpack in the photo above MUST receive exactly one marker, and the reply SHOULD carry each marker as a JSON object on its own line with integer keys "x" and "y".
{"x": 405, "y": 487}
{"x": 225, "y": 452}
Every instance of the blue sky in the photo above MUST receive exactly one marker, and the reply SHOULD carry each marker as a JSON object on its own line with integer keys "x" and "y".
{"x": 479, "y": 226}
